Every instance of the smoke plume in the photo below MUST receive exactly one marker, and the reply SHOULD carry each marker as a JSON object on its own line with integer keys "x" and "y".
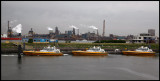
{"x": 93, "y": 27}
{"x": 49, "y": 28}
{"x": 17, "y": 29}
{"x": 73, "y": 27}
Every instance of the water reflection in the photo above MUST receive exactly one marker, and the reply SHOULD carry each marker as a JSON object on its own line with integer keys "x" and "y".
{"x": 69, "y": 67}
{"x": 26, "y": 56}
{"x": 89, "y": 56}
{"x": 19, "y": 62}
{"x": 142, "y": 56}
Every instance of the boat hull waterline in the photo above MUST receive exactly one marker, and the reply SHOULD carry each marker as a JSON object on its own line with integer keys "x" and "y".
{"x": 42, "y": 53}
{"x": 86, "y": 53}
{"x": 138, "y": 53}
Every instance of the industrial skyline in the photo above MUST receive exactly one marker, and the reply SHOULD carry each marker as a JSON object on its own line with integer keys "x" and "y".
{"x": 122, "y": 17}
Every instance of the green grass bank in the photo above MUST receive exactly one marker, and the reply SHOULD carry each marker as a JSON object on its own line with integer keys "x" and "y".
{"x": 121, "y": 46}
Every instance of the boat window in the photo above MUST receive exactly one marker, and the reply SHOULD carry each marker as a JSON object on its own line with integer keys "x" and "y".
{"x": 143, "y": 49}
{"x": 94, "y": 49}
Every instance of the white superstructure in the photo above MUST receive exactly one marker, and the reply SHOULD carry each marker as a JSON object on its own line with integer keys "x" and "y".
{"x": 50, "y": 49}
{"x": 96, "y": 49}
{"x": 144, "y": 49}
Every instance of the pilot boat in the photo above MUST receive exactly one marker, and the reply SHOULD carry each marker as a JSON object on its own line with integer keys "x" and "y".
{"x": 140, "y": 51}
{"x": 46, "y": 51}
{"x": 94, "y": 51}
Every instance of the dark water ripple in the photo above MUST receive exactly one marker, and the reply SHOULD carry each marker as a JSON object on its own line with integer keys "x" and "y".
{"x": 68, "y": 67}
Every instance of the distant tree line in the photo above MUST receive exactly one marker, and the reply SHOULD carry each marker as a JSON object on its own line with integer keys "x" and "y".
{"x": 110, "y": 41}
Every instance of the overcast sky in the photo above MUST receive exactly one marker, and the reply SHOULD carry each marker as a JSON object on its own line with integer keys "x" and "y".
{"x": 122, "y": 17}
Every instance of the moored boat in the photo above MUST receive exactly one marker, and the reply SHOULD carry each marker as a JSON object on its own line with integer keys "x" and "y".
{"x": 46, "y": 51}
{"x": 95, "y": 51}
{"x": 140, "y": 51}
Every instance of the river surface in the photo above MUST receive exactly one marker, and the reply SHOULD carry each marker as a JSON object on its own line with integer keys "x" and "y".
{"x": 68, "y": 67}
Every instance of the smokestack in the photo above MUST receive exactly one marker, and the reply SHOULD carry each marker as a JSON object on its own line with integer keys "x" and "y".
{"x": 97, "y": 32}
{"x": 103, "y": 28}
{"x": 73, "y": 31}
{"x": 8, "y": 25}
{"x": 9, "y": 31}
{"x": 78, "y": 32}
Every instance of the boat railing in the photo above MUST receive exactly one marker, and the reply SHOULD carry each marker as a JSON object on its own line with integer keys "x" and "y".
{"x": 50, "y": 49}
{"x": 96, "y": 49}
{"x": 145, "y": 49}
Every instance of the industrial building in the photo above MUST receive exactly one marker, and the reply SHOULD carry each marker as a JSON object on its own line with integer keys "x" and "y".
{"x": 40, "y": 40}
{"x": 151, "y": 32}
{"x": 30, "y": 33}
{"x": 72, "y": 35}
{"x": 144, "y": 38}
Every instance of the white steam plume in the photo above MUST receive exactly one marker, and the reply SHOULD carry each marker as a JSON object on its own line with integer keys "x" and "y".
{"x": 73, "y": 27}
{"x": 49, "y": 28}
{"x": 93, "y": 27}
{"x": 17, "y": 29}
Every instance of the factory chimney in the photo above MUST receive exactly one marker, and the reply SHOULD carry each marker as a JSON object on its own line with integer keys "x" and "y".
{"x": 56, "y": 31}
{"x": 103, "y": 28}
{"x": 8, "y": 25}
{"x": 97, "y": 32}
{"x": 9, "y": 31}
{"x": 78, "y": 32}
{"x": 73, "y": 31}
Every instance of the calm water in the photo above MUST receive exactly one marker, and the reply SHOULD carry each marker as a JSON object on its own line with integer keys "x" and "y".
{"x": 68, "y": 67}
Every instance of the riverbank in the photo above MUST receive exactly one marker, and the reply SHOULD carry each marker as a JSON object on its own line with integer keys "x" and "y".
{"x": 121, "y": 46}
{"x": 68, "y": 47}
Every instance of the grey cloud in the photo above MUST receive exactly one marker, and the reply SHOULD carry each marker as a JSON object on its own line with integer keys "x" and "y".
{"x": 122, "y": 17}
